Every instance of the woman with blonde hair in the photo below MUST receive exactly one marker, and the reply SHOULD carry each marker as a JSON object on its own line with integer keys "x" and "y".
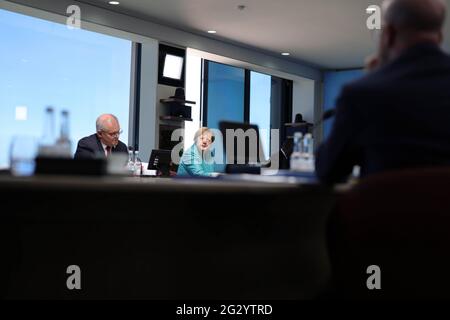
{"x": 197, "y": 160}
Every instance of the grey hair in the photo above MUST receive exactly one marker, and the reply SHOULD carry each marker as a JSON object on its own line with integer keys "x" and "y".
{"x": 101, "y": 120}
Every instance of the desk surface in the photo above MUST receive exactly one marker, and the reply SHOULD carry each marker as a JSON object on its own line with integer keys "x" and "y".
{"x": 236, "y": 183}
{"x": 150, "y": 238}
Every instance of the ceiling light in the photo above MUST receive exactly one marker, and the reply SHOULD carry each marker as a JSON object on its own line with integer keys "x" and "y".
{"x": 114, "y": 3}
{"x": 212, "y": 31}
{"x": 285, "y": 54}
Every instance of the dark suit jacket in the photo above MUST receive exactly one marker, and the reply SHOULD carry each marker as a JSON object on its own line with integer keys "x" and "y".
{"x": 396, "y": 117}
{"x": 91, "y": 148}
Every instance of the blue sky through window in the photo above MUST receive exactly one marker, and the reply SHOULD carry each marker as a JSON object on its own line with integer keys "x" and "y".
{"x": 226, "y": 85}
{"x": 260, "y": 106}
{"x": 44, "y": 63}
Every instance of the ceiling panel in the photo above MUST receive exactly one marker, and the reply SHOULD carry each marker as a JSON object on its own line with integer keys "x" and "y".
{"x": 330, "y": 34}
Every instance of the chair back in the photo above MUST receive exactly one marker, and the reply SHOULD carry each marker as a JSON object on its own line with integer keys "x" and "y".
{"x": 399, "y": 221}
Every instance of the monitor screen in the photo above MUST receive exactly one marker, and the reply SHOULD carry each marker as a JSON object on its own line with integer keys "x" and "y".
{"x": 160, "y": 160}
{"x": 241, "y": 143}
{"x": 173, "y": 66}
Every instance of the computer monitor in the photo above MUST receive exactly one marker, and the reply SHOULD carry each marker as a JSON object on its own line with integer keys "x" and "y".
{"x": 245, "y": 152}
{"x": 160, "y": 160}
{"x": 171, "y": 66}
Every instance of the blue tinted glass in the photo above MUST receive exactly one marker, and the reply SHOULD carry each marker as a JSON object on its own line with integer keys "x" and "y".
{"x": 44, "y": 63}
{"x": 226, "y": 86}
{"x": 333, "y": 84}
{"x": 260, "y": 106}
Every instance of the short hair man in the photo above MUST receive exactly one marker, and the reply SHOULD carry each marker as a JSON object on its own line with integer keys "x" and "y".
{"x": 398, "y": 115}
{"x": 104, "y": 142}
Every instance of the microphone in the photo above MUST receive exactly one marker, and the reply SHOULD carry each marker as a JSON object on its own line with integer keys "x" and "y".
{"x": 328, "y": 114}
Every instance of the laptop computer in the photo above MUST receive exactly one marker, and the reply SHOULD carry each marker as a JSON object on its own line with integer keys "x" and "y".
{"x": 160, "y": 160}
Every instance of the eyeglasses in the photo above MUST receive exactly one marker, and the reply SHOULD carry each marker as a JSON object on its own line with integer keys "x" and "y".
{"x": 114, "y": 134}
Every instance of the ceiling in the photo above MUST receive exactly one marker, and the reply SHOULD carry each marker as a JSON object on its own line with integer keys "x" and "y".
{"x": 329, "y": 34}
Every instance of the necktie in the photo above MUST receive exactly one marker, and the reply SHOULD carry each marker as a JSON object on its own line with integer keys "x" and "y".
{"x": 108, "y": 151}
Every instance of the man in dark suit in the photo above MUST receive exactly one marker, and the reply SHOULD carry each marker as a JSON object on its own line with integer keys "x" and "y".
{"x": 398, "y": 115}
{"x": 104, "y": 142}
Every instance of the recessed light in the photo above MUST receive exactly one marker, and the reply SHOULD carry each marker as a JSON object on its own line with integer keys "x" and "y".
{"x": 114, "y": 3}
{"x": 285, "y": 54}
{"x": 212, "y": 31}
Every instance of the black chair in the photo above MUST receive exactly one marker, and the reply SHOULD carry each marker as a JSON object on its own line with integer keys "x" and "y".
{"x": 399, "y": 221}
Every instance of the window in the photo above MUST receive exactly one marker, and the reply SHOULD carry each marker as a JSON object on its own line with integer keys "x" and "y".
{"x": 260, "y": 106}
{"x": 240, "y": 95}
{"x": 44, "y": 63}
{"x": 193, "y": 93}
{"x": 333, "y": 84}
{"x": 225, "y": 87}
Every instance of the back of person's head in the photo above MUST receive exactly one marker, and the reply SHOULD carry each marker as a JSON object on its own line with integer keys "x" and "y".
{"x": 415, "y": 16}
{"x": 299, "y": 118}
{"x": 410, "y": 22}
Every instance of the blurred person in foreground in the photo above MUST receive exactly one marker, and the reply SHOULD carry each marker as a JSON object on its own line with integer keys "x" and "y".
{"x": 396, "y": 116}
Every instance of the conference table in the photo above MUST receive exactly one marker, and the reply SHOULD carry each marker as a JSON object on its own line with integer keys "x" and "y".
{"x": 241, "y": 237}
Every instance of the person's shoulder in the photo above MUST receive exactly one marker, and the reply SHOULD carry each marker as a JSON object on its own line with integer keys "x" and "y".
{"x": 86, "y": 147}
{"x": 390, "y": 76}
{"x": 367, "y": 86}
{"x": 445, "y": 56}
{"x": 190, "y": 151}
{"x": 367, "y": 79}
{"x": 89, "y": 139}
{"x": 122, "y": 147}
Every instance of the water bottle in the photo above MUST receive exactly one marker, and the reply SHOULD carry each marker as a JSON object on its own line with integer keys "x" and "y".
{"x": 47, "y": 143}
{"x": 137, "y": 164}
{"x": 63, "y": 144}
{"x": 308, "y": 145}
{"x": 308, "y": 153}
{"x": 130, "y": 163}
{"x": 296, "y": 156}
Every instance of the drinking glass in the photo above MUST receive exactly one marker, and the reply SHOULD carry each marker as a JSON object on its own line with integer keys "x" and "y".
{"x": 23, "y": 154}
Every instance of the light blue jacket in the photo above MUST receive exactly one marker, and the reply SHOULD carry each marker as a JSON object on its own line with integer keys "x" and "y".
{"x": 192, "y": 164}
